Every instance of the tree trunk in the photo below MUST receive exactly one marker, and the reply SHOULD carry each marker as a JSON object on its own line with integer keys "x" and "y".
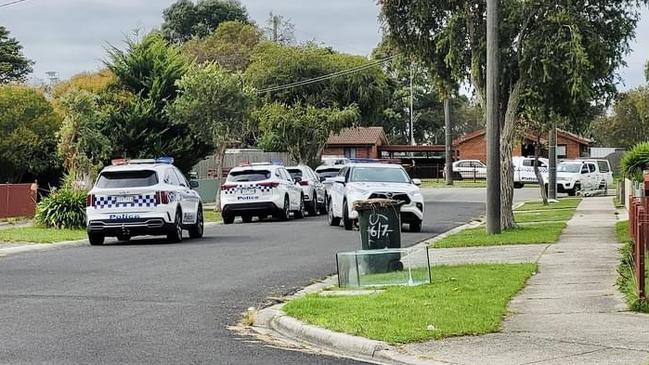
{"x": 537, "y": 172}
{"x": 220, "y": 157}
{"x": 507, "y": 139}
{"x": 449, "y": 141}
{"x": 552, "y": 167}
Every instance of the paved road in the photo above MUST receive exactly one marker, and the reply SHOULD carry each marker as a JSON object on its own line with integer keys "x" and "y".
{"x": 153, "y": 302}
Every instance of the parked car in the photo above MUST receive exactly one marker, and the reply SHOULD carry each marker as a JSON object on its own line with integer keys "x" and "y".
{"x": 260, "y": 190}
{"x": 314, "y": 192}
{"x": 580, "y": 176}
{"x": 603, "y": 168}
{"x": 524, "y": 170}
{"x": 143, "y": 197}
{"x": 468, "y": 169}
{"x": 374, "y": 180}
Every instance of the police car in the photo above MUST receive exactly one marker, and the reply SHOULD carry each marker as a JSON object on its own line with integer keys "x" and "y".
{"x": 361, "y": 181}
{"x": 260, "y": 190}
{"x": 143, "y": 197}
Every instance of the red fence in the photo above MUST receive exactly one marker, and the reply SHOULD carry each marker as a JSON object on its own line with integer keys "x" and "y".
{"x": 639, "y": 230}
{"x": 17, "y": 200}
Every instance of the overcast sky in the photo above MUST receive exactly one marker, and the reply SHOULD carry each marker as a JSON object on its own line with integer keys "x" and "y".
{"x": 68, "y": 36}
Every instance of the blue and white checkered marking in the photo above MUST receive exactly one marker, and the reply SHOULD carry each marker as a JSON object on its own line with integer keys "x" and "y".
{"x": 139, "y": 201}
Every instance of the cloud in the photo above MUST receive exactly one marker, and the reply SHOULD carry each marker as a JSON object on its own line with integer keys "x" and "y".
{"x": 69, "y": 36}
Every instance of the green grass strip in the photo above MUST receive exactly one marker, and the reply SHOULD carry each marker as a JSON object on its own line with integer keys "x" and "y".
{"x": 41, "y": 235}
{"x": 210, "y": 215}
{"x": 544, "y": 215}
{"x": 538, "y": 205}
{"x": 522, "y": 235}
{"x": 462, "y": 300}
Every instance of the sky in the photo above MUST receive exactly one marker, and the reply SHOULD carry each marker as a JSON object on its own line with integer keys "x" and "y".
{"x": 70, "y": 36}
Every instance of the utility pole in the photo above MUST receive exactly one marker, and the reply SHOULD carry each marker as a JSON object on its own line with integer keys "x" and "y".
{"x": 412, "y": 104}
{"x": 275, "y": 20}
{"x": 448, "y": 126}
{"x": 552, "y": 168}
{"x": 493, "y": 120}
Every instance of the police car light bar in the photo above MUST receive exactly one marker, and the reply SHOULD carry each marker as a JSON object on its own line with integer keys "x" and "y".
{"x": 165, "y": 159}
{"x": 119, "y": 162}
{"x": 141, "y": 161}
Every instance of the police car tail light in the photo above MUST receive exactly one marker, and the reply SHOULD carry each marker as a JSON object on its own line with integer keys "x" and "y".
{"x": 269, "y": 184}
{"x": 228, "y": 186}
{"x": 90, "y": 200}
{"x": 162, "y": 197}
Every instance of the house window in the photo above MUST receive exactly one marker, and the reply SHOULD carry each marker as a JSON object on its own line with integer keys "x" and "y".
{"x": 350, "y": 152}
{"x": 561, "y": 151}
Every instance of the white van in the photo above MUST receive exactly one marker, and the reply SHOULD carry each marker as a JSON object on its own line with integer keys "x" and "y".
{"x": 524, "y": 170}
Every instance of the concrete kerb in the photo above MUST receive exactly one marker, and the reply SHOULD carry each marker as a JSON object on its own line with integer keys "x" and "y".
{"x": 281, "y": 326}
{"x": 36, "y": 247}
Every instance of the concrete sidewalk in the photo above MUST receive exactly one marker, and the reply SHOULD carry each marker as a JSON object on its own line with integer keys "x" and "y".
{"x": 570, "y": 312}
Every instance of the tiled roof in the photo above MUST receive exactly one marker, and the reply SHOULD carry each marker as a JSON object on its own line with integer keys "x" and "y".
{"x": 358, "y": 136}
{"x": 560, "y": 132}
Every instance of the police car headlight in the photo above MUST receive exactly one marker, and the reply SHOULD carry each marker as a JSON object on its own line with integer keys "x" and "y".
{"x": 357, "y": 191}
{"x": 417, "y": 195}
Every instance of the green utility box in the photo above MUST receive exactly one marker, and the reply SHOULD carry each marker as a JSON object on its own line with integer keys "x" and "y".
{"x": 379, "y": 222}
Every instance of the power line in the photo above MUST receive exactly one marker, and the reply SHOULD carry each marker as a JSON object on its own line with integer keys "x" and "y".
{"x": 325, "y": 77}
{"x": 11, "y": 3}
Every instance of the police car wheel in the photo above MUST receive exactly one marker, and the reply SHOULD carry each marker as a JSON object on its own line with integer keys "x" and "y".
{"x": 228, "y": 219}
{"x": 347, "y": 222}
{"x": 313, "y": 206}
{"x": 415, "y": 226}
{"x": 300, "y": 213}
{"x": 196, "y": 231}
{"x": 96, "y": 239}
{"x": 333, "y": 221}
{"x": 176, "y": 233}
{"x": 285, "y": 213}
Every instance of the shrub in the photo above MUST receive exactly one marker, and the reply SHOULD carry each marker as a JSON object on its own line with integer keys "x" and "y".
{"x": 64, "y": 208}
{"x": 635, "y": 161}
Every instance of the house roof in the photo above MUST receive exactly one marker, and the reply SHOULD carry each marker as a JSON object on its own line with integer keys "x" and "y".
{"x": 359, "y": 136}
{"x": 560, "y": 132}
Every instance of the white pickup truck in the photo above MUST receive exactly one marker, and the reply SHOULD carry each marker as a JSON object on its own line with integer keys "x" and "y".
{"x": 583, "y": 176}
{"x": 524, "y": 170}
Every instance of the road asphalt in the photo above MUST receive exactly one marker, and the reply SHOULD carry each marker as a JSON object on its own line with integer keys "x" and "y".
{"x": 150, "y": 302}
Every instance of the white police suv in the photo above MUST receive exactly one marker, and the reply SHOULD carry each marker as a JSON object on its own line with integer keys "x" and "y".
{"x": 260, "y": 190}
{"x": 375, "y": 180}
{"x": 143, "y": 197}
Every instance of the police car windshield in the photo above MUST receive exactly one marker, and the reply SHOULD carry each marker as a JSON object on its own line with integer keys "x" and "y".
{"x": 328, "y": 172}
{"x": 379, "y": 174}
{"x": 248, "y": 175}
{"x": 127, "y": 179}
{"x": 569, "y": 167}
{"x": 295, "y": 173}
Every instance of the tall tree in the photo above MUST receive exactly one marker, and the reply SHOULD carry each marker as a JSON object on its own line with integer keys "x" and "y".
{"x": 302, "y": 131}
{"x": 184, "y": 20}
{"x": 28, "y": 127}
{"x": 230, "y": 45}
{"x": 136, "y": 121}
{"x": 14, "y": 66}
{"x": 82, "y": 147}
{"x": 215, "y": 104}
{"x": 274, "y": 66}
{"x": 279, "y": 29}
{"x": 628, "y": 125}
{"x": 559, "y": 54}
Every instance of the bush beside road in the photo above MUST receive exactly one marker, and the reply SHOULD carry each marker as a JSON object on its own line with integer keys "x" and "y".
{"x": 626, "y": 279}
{"x": 461, "y": 300}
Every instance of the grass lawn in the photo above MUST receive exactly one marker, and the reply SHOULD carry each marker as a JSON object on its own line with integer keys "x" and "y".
{"x": 209, "y": 215}
{"x": 626, "y": 279}
{"x": 462, "y": 300}
{"x": 528, "y": 234}
{"x": 538, "y": 205}
{"x": 544, "y": 215}
{"x": 41, "y": 235}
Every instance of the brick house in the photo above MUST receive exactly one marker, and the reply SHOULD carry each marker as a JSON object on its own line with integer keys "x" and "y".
{"x": 357, "y": 142}
{"x": 473, "y": 146}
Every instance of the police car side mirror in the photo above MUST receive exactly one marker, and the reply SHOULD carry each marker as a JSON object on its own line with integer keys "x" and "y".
{"x": 297, "y": 179}
{"x": 416, "y": 182}
{"x": 339, "y": 180}
{"x": 193, "y": 184}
